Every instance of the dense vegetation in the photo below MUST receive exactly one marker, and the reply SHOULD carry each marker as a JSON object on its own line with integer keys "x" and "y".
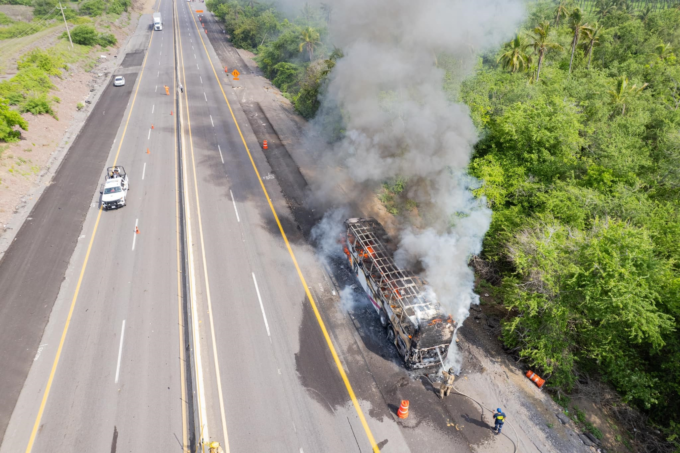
{"x": 580, "y": 161}
{"x": 46, "y": 13}
{"x": 29, "y": 90}
{"x": 293, "y": 54}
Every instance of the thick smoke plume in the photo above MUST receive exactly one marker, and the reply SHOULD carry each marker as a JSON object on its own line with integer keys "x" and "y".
{"x": 399, "y": 123}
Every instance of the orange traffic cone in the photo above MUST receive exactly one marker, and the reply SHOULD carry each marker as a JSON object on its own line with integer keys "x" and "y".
{"x": 147, "y": 151}
{"x": 170, "y": 112}
{"x": 535, "y": 379}
{"x": 206, "y": 32}
{"x": 152, "y": 126}
{"x": 403, "y": 409}
{"x": 136, "y": 230}
{"x": 264, "y": 145}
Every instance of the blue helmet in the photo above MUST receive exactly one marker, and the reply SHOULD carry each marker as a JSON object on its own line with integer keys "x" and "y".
{"x": 499, "y": 410}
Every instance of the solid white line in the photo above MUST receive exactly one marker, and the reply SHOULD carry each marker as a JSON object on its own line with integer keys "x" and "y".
{"x": 206, "y": 97}
{"x": 239, "y": 220}
{"x": 149, "y": 136}
{"x": 153, "y": 108}
{"x": 266, "y": 324}
{"x": 221, "y": 158}
{"x": 144, "y": 171}
{"x": 120, "y": 349}
{"x": 211, "y": 121}
{"x": 134, "y": 235}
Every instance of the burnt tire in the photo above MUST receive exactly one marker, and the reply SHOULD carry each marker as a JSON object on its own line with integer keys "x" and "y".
{"x": 390, "y": 334}
{"x": 383, "y": 319}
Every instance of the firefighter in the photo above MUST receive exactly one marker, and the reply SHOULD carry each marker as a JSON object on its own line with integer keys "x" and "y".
{"x": 499, "y": 417}
{"x": 215, "y": 447}
{"x": 447, "y": 383}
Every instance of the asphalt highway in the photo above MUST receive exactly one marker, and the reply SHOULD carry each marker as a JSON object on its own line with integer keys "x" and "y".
{"x": 109, "y": 373}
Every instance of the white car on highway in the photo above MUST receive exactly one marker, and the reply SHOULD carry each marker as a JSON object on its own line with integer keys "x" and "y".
{"x": 115, "y": 188}
{"x": 119, "y": 81}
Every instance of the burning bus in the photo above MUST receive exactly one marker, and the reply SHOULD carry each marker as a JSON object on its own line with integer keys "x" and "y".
{"x": 408, "y": 310}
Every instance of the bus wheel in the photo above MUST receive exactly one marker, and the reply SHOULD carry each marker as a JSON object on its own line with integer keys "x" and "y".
{"x": 383, "y": 319}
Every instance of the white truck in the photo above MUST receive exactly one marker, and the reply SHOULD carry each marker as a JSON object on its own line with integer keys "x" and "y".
{"x": 115, "y": 188}
{"x": 157, "y": 22}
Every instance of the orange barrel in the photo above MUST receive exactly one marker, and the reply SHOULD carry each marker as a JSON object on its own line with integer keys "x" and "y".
{"x": 535, "y": 379}
{"x": 265, "y": 145}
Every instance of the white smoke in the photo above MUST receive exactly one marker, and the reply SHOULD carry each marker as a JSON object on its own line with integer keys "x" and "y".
{"x": 400, "y": 123}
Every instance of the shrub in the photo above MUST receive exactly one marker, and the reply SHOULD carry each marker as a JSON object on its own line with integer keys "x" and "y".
{"x": 119, "y": 6}
{"x": 39, "y": 105}
{"x": 106, "y": 40}
{"x": 92, "y": 8}
{"x": 286, "y": 75}
{"x": 85, "y": 35}
{"x": 8, "y": 119}
{"x": 80, "y": 106}
{"x": 19, "y": 29}
{"x": 51, "y": 64}
{"x": 5, "y": 20}
{"x": 43, "y": 8}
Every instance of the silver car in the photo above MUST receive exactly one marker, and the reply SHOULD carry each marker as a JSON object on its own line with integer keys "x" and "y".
{"x": 119, "y": 81}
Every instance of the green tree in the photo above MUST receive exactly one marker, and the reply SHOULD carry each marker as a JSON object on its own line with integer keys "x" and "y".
{"x": 561, "y": 11}
{"x": 578, "y": 27}
{"x": 309, "y": 38}
{"x": 542, "y": 43}
{"x": 591, "y": 34}
{"x": 515, "y": 58}
{"x": 622, "y": 93}
{"x": 664, "y": 50}
{"x": 8, "y": 120}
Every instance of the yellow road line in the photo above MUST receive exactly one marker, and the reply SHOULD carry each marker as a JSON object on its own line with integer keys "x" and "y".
{"x": 203, "y": 255}
{"x": 180, "y": 323}
{"x": 43, "y": 403}
{"x": 322, "y": 325}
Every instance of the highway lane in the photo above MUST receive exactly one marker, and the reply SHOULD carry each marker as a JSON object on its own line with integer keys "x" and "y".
{"x": 118, "y": 386}
{"x": 281, "y": 388}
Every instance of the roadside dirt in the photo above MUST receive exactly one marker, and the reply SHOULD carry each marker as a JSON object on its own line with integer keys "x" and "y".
{"x": 25, "y": 165}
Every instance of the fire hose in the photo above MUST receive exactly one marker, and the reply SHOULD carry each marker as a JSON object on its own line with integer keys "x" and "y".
{"x": 515, "y": 444}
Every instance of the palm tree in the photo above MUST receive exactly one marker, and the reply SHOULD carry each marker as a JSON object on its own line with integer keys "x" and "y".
{"x": 664, "y": 50}
{"x": 591, "y": 33}
{"x": 644, "y": 14}
{"x": 621, "y": 93}
{"x": 541, "y": 43}
{"x": 578, "y": 26}
{"x": 310, "y": 38}
{"x": 561, "y": 10}
{"x": 515, "y": 56}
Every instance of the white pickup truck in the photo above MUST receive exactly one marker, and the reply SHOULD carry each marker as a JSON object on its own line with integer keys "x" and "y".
{"x": 115, "y": 188}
